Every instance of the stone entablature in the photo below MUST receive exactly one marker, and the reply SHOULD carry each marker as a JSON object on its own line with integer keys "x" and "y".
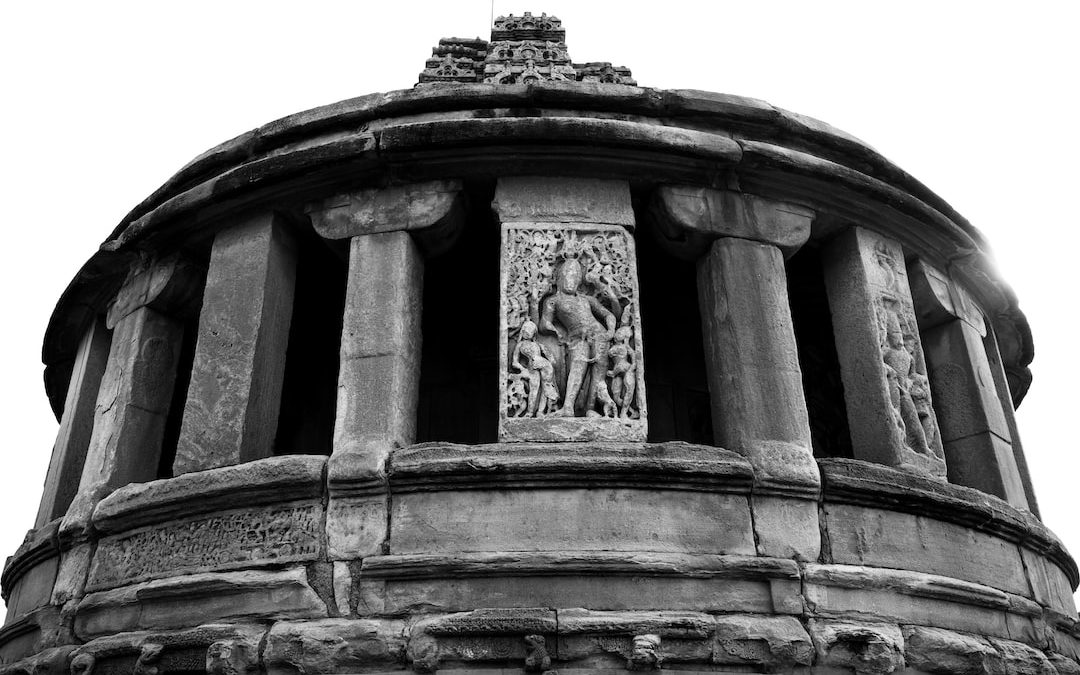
{"x": 546, "y": 221}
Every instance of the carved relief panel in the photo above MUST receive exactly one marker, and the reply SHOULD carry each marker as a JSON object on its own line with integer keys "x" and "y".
{"x": 571, "y": 358}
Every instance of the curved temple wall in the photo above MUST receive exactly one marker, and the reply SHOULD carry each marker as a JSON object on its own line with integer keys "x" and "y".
{"x": 579, "y": 528}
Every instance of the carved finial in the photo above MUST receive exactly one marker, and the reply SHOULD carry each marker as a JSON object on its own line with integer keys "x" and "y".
{"x": 83, "y": 664}
{"x": 645, "y": 653}
{"x": 147, "y": 663}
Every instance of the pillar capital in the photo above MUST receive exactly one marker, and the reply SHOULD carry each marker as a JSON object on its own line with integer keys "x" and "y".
{"x": 169, "y": 285}
{"x": 690, "y": 217}
{"x": 939, "y": 299}
{"x": 432, "y": 211}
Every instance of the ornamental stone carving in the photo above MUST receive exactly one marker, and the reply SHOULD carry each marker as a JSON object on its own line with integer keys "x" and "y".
{"x": 572, "y": 363}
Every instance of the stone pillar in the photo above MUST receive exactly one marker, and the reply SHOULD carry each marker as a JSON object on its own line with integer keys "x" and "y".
{"x": 137, "y": 387}
{"x": 571, "y": 358}
{"x": 888, "y": 397}
{"x": 379, "y": 376}
{"x": 1001, "y": 384}
{"x": 234, "y": 397}
{"x": 752, "y": 361}
{"x": 974, "y": 431}
{"x": 76, "y": 424}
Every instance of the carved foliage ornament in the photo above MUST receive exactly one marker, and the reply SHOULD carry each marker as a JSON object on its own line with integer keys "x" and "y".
{"x": 572, "y": 362}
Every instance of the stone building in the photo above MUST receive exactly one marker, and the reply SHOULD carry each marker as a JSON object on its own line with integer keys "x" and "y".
{"x": 530, "y": 369}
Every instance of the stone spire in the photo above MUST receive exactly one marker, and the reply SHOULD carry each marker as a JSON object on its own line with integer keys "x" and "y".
{"x": 522, "y": 49}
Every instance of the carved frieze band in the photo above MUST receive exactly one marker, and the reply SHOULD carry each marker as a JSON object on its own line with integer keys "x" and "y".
{"x": 572, "y": 367}
{"x": 225, "y": 541}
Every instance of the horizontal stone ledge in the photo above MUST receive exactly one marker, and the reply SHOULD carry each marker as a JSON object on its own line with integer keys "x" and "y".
{"x": 445, "y": 466}
{"x": 574, "y": 563}
{"x": 847, "y": 481}
{"x": 558, "y": 130}
{"x": 917, "y": 584}
{"x": 266, "y": 481}
{"x": 199, "y": 598}
{"x": 38, "y": 546}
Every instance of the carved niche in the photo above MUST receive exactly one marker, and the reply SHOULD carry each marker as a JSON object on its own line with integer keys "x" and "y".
{"x": 572, "y": 366}
{"x": 911, "y": 409}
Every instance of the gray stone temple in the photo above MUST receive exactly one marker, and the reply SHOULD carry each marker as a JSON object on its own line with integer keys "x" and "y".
{"x": 529, "y": 369}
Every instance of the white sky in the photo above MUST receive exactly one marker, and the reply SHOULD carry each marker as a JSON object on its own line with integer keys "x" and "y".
{"x": 103, "y": 101}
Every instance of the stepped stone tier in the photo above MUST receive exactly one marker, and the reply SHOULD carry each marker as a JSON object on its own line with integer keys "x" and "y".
{"x": 529, "y": 369}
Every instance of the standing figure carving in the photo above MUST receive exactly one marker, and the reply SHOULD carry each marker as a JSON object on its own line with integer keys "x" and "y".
{"x": 905, "y": 384}
{"x": 572, "y": 367}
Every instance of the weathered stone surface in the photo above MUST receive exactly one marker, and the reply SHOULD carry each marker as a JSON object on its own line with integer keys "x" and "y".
{"x": 864, "y": 647}
{"x": 225, "y": 540}
{"x": 410, "y": 207}
{"x": 1021, "y": 659}
{"x": 786, "y": 528}
{"x": 356, "y": 526}
{"x": 481, "y": 636}
{"x": 273, "y": 480}
{"x": 168, "y": 285}
{"x": 560, "y": 519}
{"x": 197, "y": 598}
{"x": 542, "y": 199}
{"x": 132, "y": 406}
{"x": 76, "y": 425}
{"x": 32, "y": 589}
{"x": 1064, "y": 666}
{"x": 775, "y": 642}
{"x": 72, "y": 574}
{"x": 1050, "y": 586}
{"x": 866, "y": 536}
{"x": 591, "y": 639}
{"x": 45, "y": 662}
{"x": 234, "y": 395}
{"x": 380, "y": 349}
{"x": 752, "y": 362}
{"x": 935, "y": 650}
{"x": 334, "y": 646}
{"x": 343, "y": 588}
{"x": 888, "y": 399}
{"x": 695, "y": 215}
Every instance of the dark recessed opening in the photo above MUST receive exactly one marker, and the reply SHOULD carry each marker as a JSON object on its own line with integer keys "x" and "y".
{"x": 309, "y": 391}
{"x": 175, "y": 418}
{"x": 676, "y": 389}
{"x": 818, "y": 360}
{"x": 459, "y": 384}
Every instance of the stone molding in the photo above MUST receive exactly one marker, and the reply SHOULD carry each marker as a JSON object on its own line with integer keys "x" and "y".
{"x": 846, "y": 481}
{"x": 38, "y": 546}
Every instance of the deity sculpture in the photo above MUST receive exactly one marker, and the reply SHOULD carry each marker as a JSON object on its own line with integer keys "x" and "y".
{"x": 623, "y": 370}
{"x": 904, "y": 382}
{"x": 537, "y": 659}
{"x": 149, "y": 659}
{"x": 533, "y": 360}
{"x": 585, "y": 327}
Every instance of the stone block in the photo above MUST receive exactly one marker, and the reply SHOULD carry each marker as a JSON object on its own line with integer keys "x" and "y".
{"x": 273, "y": 481}
{"x": 334, "y": 646}
{"x": 538, "y": 199}
{"x": 356, "y": 526}
{"x": 72, "y": 573}
{"x": 935, "y": 650}
{"x": 775, "y": 643}
{"x": 786, "y": 528}
{"x": 608, "y": 519}
{"x": 167, "y": 285}
{"x": 412, "y": 207}
{"x": 866, "y": 648}
{"x": 1021, "y": 659}
{"x": 1064, "y": 666}
{"x": 198, "y": 598}
{"x": 45, "y": 662}
{"x": 234, "y": 394}
{"x": 886, "y": 391}
{"x": 225, "y": 540}
{"x": 752, "y": 362}
{"x": 705, "y": 213}
{"x": 859, "y": 535}
{"x": 33, "y": 588}
{"x": 482, "y": 637}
